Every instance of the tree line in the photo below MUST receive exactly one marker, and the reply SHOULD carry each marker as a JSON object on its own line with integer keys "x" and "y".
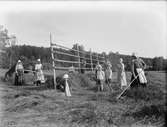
{"x": 29, "y": 55}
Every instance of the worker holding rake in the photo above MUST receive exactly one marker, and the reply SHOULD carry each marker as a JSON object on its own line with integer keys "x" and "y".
{"x": 138, "y": 77}
{"x": 138, "y": 66}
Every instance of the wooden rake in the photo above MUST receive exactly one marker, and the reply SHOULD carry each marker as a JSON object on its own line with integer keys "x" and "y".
{"x": 127, "y": 86}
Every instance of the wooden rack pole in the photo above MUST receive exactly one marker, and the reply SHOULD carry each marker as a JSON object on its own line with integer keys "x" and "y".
{"x": 79, "y": 63}
{"x": 91, "y": 60}
{"x": 53, "y": 62}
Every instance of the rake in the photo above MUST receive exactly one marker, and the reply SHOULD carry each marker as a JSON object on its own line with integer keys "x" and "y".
{"x": 128, "y": 86}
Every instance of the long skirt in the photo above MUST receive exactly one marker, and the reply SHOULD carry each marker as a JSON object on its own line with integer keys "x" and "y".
{"x": 40, "y": 76}
{"x": 123, "y": 80}
{"x": 140, "y": 80}
{"x": 142, "y": 77}
{"x": 67, "y": 89}
{"x": 19, "y": 78}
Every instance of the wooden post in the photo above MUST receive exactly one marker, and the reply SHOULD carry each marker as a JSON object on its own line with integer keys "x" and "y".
{"x": 97, "y": 58}
{"x": 53, "y": 63}
{"x": 79, "y": 65}
{"x": 104, "y": 58}
{"x": 91, "y": 60}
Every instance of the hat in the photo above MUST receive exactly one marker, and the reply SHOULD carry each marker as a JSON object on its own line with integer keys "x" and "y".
{"x": 19, "y": 61}
{"x": 65, "y": 76}
{"x": 38, "y": 60}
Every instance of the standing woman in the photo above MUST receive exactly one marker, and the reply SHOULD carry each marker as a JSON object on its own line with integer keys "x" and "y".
{"x": 19, "y": 73}
{"x": 138, "y": 75}
{"x": 121, "y": 72}
{"x": 39, "y": 73}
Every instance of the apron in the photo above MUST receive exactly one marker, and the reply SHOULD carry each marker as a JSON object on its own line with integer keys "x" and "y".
{"x": 142, "y": 77}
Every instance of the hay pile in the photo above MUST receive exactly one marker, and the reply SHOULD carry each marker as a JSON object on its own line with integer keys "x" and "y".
{"x": 76, "y": 81}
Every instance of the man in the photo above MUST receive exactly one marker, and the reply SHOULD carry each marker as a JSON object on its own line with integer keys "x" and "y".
{"x": 138, "y": 66}
{"x": 19, "y": 72}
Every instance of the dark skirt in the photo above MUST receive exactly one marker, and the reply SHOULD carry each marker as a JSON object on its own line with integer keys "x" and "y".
{"x": 19, "y": 78}
{"x": 136, "y": 82}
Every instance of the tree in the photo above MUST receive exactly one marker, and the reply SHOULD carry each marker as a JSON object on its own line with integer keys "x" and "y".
{"x": 81, "y": 50}
{"x": 158, "y": 63}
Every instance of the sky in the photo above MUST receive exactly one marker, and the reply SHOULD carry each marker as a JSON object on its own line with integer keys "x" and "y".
{"x": 102, "y": 26}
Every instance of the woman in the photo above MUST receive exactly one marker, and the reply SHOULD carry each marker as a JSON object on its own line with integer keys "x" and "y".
{"x": 19, "y": 73}
{"x": 138, "y": 75}
{"x": 39, "y": 73}
{"x": 121, "y": 73}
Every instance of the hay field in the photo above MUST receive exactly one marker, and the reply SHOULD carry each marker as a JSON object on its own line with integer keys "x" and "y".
{"x": 31, "y": 106}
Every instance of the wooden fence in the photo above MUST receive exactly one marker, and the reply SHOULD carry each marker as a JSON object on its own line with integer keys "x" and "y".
{"x": 93, "y": 58}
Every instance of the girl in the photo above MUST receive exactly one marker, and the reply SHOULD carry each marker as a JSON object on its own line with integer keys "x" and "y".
{"x": 100, "y": 78}
{"x": 108, "y": 75}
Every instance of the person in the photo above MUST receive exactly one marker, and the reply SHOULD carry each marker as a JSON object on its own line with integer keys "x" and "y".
{"x": 96, "y": 68}
{"x": 108, "y": 75}
{"x": 100, "y": 77}
{"x": 83, "y": 66}
{"x": 121, "y": 73}
{"x": 19, "y": 73}
{"x": 39, "y": 73}
{"x": 137, "y": 70}
{"x": 71, "y": 69}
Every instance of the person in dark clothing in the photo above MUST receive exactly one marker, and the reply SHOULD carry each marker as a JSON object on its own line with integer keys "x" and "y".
{"x": 19, "y": 73}
{"x": 83, "y": 66}
{"x": 138, "y": 66}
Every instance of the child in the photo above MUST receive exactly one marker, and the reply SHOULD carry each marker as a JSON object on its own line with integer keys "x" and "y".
{"x": 108, "y": 75}
{"x": 100, "y": 78}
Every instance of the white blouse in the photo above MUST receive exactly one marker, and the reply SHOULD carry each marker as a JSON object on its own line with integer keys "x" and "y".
{"x": 38, "y": 67}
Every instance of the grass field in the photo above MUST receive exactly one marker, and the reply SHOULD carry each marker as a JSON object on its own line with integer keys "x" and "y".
{"x": 31, "y": 106}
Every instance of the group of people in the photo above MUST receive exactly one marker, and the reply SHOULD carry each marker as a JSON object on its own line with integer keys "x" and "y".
{"x": 19, "y": 73}
{"x": 103, "y": 74}
{"x": 137, "y": 69}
